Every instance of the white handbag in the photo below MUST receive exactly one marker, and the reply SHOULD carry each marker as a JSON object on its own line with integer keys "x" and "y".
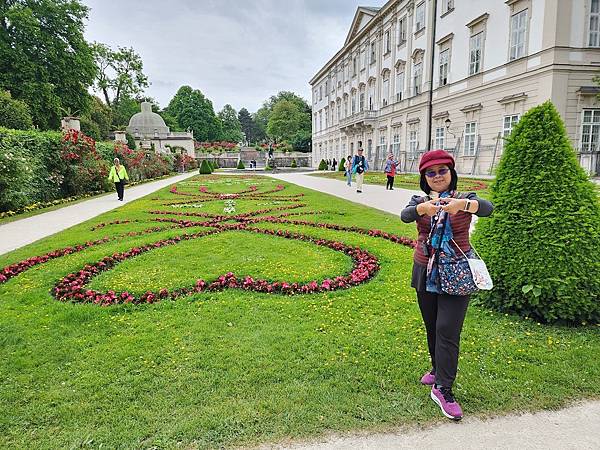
{"x": 481, "y": 275}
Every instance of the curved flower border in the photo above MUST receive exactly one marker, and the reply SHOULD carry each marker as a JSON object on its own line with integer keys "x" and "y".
{"x": 72, "y": 288}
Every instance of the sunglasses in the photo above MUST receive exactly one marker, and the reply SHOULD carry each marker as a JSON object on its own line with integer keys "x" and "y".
{"x": 433, "y": 173}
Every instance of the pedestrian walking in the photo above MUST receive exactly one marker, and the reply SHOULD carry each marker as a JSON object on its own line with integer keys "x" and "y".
{"x": 118, "y": 175}
{"x": 348, "y": 167}
{"x": 443, "y": 218}
{"x": 390, "y": 171}
{"x": 360, "y": 165}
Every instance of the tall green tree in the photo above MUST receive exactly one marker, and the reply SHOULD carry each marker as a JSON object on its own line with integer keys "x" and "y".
{"x": 120, "y": 73}
{"x": 290, "y": 121}
{"x": 261, "y": 119}
{"x": 44, "y": 59}
{"x": 97, "y": 122}
{"x": 232, "y": 129}
{"x": 193, "y": 110}
{"x": 248, "y": 125}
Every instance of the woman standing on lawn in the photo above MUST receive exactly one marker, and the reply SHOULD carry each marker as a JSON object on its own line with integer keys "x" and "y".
{"x": 118, "y": 175}
{"x": 442, "y": 314}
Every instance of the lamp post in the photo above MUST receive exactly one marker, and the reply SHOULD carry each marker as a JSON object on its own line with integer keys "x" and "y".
{"x": 448, "y": 122}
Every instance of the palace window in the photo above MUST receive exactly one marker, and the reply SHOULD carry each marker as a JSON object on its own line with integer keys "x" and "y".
{"x": 470, "y": 138}
{"x": 420, "y": 17}
{"x": 594, "y": 37}
{"x": 518, "y": 34}
{"x": 590, "y": 130}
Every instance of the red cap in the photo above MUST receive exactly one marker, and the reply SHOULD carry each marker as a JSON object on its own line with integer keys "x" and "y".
{"x": 434, "y": 157}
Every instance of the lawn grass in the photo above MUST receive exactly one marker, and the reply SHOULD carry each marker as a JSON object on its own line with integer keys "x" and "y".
{"x": 230, "y": 368}
{"x": 411, "y": 181}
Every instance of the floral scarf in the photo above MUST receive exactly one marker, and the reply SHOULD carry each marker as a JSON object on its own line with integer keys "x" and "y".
{"x": 440, "y": 237}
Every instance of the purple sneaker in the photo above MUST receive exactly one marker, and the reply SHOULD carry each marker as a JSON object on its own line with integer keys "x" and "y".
{"x": 428, "y": 379}
{"x": 445, "y": 400}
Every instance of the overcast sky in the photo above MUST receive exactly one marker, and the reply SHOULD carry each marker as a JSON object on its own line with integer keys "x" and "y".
{"x": 235, "y": 51}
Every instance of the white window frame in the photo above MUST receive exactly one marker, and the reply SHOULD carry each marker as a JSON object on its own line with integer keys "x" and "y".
{"x": 506, "y": 130}
{"x": 385, "y": 89}
{"x": 470, "y": 142}
{"x": 594, "y": 33}
{"x": 447, "y": 5}
{"x": 444, "y": 67}
{"x": 475, "y": 53}
{"x": 399, "y": 84}
{"x": 401, "y": 31}
{"x": 440, "y": 138}
{"x": 373, "y": 53}
{"x": 592, "y": 127}
{"x": 353, "y": 102}
{"x": 518, "y": 34}
{"x": 361, "y": 100}
{"x": 387, "y": 42}
{"x": 420, "y": 17}
{"x": 396, "y": 141}
{"x": 417, "y": 78}
{"x": 413, "y": 142}
{"x": 354, "y": 66}
{"x": 320, "y": 93}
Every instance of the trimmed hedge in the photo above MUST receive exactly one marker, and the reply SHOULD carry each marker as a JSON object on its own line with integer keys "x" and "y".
{"x": 241, "y": 165}
{"x": 322, "y": 165}
{"x": 341, "y": 167}
{"x": 205, "y": 168}
{"x": 294, "y": 164}
{"x": 542, "y": 243}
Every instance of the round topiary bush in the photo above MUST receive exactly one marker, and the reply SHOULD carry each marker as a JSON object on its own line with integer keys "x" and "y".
{"x": 294, "y": 164}
{"x": 341, "y": 167}
{"x": 205, "y": 168}
{"x": 542, "y": 243}
{"x": 240, "y": 165}
{"x": 322, "y": 165}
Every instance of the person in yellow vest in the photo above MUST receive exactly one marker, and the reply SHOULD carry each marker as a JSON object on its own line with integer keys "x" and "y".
{"x": 118, "y": 175}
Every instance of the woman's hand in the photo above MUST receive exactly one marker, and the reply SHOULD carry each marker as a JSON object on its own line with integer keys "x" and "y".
{"x": 453, "y": 205}
{"x": 429, "y": 208}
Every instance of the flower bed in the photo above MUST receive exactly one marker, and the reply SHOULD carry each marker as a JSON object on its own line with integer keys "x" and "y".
{"x": 72, "y": 288}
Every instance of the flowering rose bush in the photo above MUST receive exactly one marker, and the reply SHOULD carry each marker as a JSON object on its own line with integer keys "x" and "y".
{"x": 85, "y": 170}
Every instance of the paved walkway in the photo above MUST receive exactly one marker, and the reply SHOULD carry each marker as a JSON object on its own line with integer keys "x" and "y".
{"x": 372, "y": 195}
{"x": 25, "y": 231}
{"x": 577, "y": 427}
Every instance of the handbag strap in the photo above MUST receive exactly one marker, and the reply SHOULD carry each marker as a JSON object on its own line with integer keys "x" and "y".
{"x": 463, "y": 253}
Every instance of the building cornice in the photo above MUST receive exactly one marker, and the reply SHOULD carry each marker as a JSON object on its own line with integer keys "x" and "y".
{"x": 380, "y": 14}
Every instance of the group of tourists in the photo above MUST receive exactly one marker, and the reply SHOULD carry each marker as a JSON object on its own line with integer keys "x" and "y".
{"x": 331, "y": 164}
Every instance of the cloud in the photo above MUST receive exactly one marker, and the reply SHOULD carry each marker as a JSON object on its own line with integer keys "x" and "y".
{"x": 234, "y": 51}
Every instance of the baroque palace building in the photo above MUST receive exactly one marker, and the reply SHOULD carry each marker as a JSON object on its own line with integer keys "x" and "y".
{"x": 458, "y": 74}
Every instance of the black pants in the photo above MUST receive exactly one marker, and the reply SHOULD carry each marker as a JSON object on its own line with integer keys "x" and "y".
{"x": 390, "y": 182}
{"x": 120, "y": 186}
{"x": 443, "y": 316}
